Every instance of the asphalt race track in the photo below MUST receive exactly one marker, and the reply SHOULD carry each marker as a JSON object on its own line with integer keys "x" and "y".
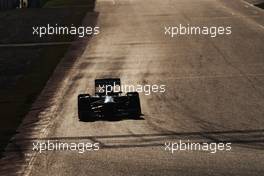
{"x": 214, "y": 92}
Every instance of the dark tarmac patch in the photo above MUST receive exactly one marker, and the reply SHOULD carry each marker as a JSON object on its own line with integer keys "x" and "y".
{"x": 261, "y": 5}
{"x": 25, "y": 70}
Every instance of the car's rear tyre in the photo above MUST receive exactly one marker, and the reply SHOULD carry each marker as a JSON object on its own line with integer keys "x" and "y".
{"x": 84, "y": 107}
{"x": 134, "y": 104}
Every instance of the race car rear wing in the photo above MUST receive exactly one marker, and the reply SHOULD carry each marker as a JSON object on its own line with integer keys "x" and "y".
{"x": 106, "y": 82}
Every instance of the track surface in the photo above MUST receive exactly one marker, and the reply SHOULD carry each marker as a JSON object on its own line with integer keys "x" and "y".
{"x": 214, "y": 91}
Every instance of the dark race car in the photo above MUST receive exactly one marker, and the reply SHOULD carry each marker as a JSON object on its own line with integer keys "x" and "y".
{"x": 106, "y": 103}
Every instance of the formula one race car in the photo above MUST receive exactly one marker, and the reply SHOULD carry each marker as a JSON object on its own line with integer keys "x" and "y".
{"x": 106, "y": 103}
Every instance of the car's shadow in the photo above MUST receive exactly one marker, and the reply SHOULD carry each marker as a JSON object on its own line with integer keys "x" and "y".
{"x": 112, "y": 119}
